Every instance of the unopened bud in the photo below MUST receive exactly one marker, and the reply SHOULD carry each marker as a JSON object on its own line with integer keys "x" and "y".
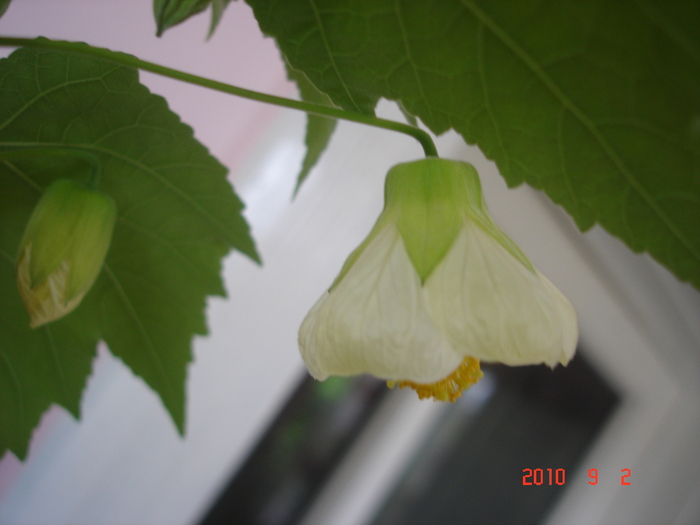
{"x": 63, "y": 249}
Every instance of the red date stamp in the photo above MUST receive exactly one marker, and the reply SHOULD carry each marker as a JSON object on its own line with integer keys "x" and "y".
{"x": 550, "y": 476}
{"x": 539, "y": 476}
{"x": 625, "y": 474}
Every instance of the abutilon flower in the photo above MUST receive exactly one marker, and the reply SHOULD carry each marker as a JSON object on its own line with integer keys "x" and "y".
{"x": 63, "y": 248}
{"x": 435, "y": 288}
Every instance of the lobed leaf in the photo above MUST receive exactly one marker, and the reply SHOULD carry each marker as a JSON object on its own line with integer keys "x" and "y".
{"x": 169, "y": 13}
{"x": 4, "y": 4}
{"x": 177, "y": 218}
{"x": 319, "y": 130}
{"x": 596, "y": 103}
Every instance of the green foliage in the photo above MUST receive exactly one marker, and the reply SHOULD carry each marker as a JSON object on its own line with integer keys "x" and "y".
{"x": 411, "y": 119}
{"x": 169, "y": 13}
{"x": 4, "y": 4}
{"x": 596, "y": 103}
{"x": 318, "y": 129}
{"x": 177, "y": 217}
{"x": 217, "y": 11}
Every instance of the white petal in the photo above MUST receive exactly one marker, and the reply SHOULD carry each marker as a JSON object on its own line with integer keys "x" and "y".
{"x": 46, "y": 301}
{"x": 376, "y": 321}
{"x": 493, "y": 308}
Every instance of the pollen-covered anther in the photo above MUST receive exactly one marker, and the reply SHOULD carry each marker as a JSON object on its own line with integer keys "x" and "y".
{"x": 450, "y": 388}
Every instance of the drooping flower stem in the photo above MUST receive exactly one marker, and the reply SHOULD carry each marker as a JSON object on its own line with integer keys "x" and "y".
{"x": 24, "y": 152}
{"x": 128, "y": 60}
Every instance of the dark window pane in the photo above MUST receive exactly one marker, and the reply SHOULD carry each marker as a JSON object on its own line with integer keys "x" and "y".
{"x": 298, "y": 452}
{"x": 470, "y": 470}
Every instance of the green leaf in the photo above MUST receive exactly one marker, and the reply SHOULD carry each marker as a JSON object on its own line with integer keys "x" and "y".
{"x": 411, "y": 119}
{"x": 596, "y": 103}
{"x": 4, "y": 4}
{"x": 217, "y": 11}
{"x": 169, "y": 13}
{"x": 37, "y": 367}
{"x": 319, "y": 130}
{"x": 177, "y": 217}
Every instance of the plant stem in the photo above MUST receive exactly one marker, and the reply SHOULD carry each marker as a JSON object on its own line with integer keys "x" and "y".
{"x": 62, "y": 151}
{"x": 325, "y": 111}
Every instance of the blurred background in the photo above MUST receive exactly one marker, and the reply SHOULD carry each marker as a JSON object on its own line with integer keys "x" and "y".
{"x": 610, "y": 439}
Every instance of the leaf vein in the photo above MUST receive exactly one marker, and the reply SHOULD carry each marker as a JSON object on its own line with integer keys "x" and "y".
{"x": 147, "y": 169}
{"x": 487, "y": 101}
{"x": 331, "y": 57}
{"x": 164, "y": 242}
{"x": 675, "y": 33}
{"x": 562, "y": 158}
{"x": 43, "y": 94}
{"x": 588, "y": 124}
{"x": 140, "y": 328}
{"x": 57, "y": 364}
{"x": 17, "y": 387}
{"x": 409, "y": 57}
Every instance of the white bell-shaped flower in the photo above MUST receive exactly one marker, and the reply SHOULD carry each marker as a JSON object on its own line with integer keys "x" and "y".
{"x": 435, "y": 288}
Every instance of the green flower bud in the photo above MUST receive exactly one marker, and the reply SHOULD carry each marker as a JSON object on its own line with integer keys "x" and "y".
{"x": 63, "y": 248}
{"x": 434, "y": 288}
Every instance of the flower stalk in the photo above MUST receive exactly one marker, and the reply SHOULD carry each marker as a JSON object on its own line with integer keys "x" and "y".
{"x": 316, "y": 109}
{"x": 23, "y": 152}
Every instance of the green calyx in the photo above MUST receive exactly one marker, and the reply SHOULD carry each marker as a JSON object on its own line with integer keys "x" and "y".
{"x": 429, "y": 201}
{"x": 71, "y": 223}
{"x": 431, "y": 198}
{"x": 426, "y": 198}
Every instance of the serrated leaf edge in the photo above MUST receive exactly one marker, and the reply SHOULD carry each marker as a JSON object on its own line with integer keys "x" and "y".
{"x": 585, "y": 121}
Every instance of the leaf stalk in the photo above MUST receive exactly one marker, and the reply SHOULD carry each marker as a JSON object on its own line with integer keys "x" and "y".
{"x": 62, "y": 151}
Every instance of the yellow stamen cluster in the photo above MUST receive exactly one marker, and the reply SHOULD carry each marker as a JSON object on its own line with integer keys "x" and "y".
{"x": 450, "y": 388}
